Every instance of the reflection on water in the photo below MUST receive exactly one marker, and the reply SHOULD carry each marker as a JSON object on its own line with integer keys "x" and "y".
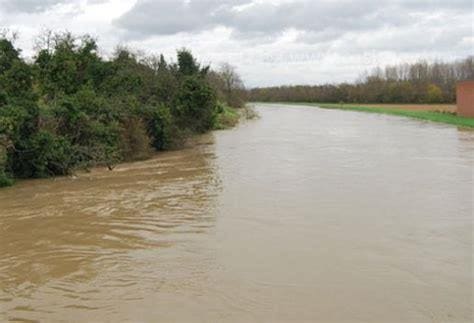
{"x": 302, "y": 215}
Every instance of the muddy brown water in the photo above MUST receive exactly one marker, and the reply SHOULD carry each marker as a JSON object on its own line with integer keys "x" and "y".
{"x": 304, "y": 215}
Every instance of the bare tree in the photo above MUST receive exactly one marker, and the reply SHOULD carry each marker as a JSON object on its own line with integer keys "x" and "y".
{"x": 231, "y": 78}
{"x": 229, "y": 85}
{"x": 44, "y": 41}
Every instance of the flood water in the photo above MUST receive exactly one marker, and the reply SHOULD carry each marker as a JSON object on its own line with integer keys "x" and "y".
{"x": 304, "y": 215}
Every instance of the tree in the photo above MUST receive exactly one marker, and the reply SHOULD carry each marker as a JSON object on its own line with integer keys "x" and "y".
{"x": 195, "y": 105}
{"x": 5, "y": 179}
{"x": 8, "y": 55}
{"x": 421, "y": 82}
{"x": 71, "y": 108}
{"x": 228, "y": 85}
{"x": 434, "y": 94}
{"x": 187, "y": 64}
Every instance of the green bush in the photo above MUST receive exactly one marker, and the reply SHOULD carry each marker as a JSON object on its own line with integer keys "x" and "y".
{"x": 226, "y": 117}
{"x": 4, "y": 179}
{"x": 195, "y": 105}
{"x": 48, "y": 155}
{"x": 72, "y": 108}
{"x": 434, "y": 94}
{"x": 158, "y": 121}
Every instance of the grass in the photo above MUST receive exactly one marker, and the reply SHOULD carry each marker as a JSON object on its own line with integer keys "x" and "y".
{"x": 227, "y": 118}
{"x": 434, "y": 116}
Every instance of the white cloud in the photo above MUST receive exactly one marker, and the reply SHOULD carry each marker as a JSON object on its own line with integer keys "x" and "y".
{"x": 270, "y": 41}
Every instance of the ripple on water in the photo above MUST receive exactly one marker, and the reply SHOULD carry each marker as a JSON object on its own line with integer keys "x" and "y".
{"x": 302, "y": 215}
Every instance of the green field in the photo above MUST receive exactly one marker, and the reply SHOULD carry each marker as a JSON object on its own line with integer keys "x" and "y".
{"x": 435, "y": 116}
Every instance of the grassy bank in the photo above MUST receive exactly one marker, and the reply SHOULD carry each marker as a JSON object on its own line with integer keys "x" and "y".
{"x": 229, "y": 117}
{"x": 434, "y": 116}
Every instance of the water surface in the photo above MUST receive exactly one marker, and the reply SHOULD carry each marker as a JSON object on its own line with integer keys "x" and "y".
{"x": 302, "y": 215}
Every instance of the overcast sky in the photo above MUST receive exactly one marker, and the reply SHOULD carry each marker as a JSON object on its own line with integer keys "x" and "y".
{"x": 271, "y": 42}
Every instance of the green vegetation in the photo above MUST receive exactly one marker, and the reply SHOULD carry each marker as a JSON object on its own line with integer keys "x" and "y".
{"x": 435, "y": 116}
{"x": 229, "y": 117}
{"x": 416, "y": 83}
{"x": 71, "y": 108}
{"x": 226, "y": 118}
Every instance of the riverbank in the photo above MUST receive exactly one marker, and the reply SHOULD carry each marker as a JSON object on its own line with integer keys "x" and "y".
{"x": 230, "y": 117}
{"x": 105, "y": 110}
{"x": 227, "y": 118}
{"x": 434, "y": 113}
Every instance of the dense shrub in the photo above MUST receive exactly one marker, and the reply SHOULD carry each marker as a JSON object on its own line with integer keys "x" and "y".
{"x": 196, "y": 103}
{"x": 46, "y": 155}
{"x": 160, "y": 126}
{"x": 5, "y": 180}
{"x": 72, "y": 108}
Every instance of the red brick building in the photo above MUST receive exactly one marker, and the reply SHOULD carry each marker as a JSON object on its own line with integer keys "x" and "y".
{"x": 465, "y": 99}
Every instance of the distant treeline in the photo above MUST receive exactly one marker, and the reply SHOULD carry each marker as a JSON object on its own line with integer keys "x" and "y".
{"x": 72, "y": 108}
{"x": 421, "y": 82}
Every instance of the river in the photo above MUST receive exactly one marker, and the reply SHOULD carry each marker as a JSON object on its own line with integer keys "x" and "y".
{"x": 303, "y": 215}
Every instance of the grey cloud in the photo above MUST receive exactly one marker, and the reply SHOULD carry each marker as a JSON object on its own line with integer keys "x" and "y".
{"x": 166, "y": 17}
{"x": 323, "y": 40}
{"x": 28, "y": 6}
{"x": 440, "y": 4}
{"x": 162, "y": 17}
{"x": 302, "y": 15}
{"x": 96, "y": 1}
